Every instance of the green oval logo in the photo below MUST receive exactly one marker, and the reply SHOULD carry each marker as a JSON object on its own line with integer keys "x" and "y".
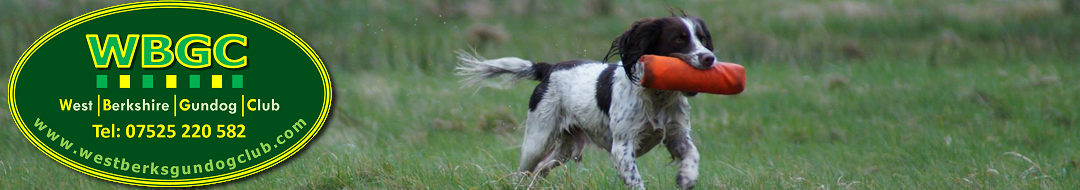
{"x": 169, "y": 94}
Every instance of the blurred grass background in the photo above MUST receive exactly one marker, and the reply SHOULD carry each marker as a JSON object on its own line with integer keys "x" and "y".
{"x": 901, "y": 94}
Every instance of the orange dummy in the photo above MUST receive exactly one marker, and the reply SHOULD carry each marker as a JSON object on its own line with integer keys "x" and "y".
{"x": 669, "y": 73}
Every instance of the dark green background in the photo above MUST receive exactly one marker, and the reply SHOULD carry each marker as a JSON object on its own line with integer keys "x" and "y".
{"x": 63, "y": 69}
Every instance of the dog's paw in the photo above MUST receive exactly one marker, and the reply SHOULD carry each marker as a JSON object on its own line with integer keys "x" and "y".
{"x": 685, "y": 182}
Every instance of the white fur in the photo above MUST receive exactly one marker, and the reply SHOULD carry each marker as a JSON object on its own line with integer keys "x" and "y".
{"x": 698, "y": 48}
{"x": 476, "y": 69}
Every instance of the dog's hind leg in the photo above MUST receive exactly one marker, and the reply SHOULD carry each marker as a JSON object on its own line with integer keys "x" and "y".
{"x": 541, "y": 130}
{"x": 555, "y": 157}
{"x": 570, "y": 145}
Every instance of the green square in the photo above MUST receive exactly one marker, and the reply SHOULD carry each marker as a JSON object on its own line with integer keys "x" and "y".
{"x": 103, "y": 81}
{"x": 238, "y": 81}
{"x": 194, "y": 81}
{"x": 148, "y": 81}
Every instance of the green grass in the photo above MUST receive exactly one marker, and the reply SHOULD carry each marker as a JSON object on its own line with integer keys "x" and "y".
{"x": 912, "y": 95}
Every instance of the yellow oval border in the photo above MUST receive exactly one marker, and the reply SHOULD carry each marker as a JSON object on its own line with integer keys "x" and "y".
{"x": 327, "y": 94}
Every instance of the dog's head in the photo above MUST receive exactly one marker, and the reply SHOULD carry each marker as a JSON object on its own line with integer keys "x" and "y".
{"x": 683, "y": 37}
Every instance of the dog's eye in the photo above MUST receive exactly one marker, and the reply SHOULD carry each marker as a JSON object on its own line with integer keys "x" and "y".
{"x": 679, "y": 40}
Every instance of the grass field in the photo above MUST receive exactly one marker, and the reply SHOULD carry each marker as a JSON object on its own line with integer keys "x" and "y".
{"x": 907, "y": 94}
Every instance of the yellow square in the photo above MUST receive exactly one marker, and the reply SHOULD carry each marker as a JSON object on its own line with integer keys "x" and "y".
{"x": 125, "y": 81}
{"x": 170, "y": 81}
{"x": 217, "y": 81}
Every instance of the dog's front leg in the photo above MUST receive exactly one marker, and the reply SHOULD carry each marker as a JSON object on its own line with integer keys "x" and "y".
{"x": 622, "y": 150}
{"x": 680, "y": 146}
{"x": 683, "y": 150}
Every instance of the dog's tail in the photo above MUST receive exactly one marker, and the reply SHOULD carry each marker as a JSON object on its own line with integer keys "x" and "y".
{"x": 476, "y": 68}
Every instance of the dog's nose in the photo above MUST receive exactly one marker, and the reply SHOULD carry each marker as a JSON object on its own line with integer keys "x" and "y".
{"x": 707, "y": 60}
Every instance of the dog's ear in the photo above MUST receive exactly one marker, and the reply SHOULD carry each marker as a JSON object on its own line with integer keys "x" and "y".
{"x": 706, "y": 38}
{"x": 633, "y": 43}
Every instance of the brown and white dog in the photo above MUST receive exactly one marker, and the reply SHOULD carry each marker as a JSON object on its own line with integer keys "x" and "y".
{"x": 582, "y": 101}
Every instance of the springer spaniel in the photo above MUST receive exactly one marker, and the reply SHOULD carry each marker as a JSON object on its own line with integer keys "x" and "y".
{"x": 582, "y": 101}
